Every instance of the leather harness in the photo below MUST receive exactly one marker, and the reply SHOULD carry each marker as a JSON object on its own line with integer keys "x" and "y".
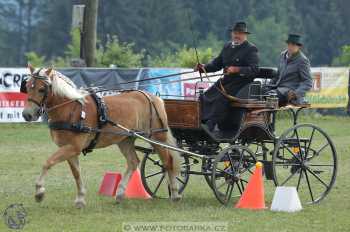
{"x": 102, "y": 120}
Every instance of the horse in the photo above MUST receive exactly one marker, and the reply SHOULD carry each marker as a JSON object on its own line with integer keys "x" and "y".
{"x": 52, "y": 92}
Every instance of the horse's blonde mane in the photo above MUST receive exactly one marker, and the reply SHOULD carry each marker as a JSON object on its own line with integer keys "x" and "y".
{"x": 64, "y": 87}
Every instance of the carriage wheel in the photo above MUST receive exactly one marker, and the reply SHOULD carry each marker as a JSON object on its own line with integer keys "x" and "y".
{"x": 232, "y": 169}
{"x": 207, "y": 167}
{"x": 155, "y": 179}
{"x": 305, "y": 157}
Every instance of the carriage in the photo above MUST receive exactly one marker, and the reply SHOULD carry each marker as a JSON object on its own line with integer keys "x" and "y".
{"x": 303, "y": 155}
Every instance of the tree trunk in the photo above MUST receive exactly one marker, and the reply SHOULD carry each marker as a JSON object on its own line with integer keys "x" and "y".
{"x": 90, "y": 26}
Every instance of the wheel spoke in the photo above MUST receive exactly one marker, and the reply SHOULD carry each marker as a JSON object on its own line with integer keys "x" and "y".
{"x": 319, "y": 151}
{"x": 239, "y": 188}
{"x": 288, "y": 149}
{"x": 296, "y": 133}
{"x": 221, "y": 185}
{"x": 317, "y": 177}
{"x": 154, "y": 161}
{"x": 300, "y": 175}
{"x": 229, "y": 192}
{"x": 285, "y": 164}
{"x": 247, "y": 169}
{"x": 154, "y": 174}
{"x": 321, "y": 165}
{"x": 309, "y": 186}
{"x": 311, "y": 138}
{"x": 160, "y": 181}
{"x": 180, "y": 180}
{"x": 242, "y": 184}
{"x": 225, "y": 172}
{"x": 290, "y": 176}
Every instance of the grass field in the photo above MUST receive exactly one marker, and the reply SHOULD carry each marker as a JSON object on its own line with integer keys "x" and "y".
{"x": 24, "y": 148}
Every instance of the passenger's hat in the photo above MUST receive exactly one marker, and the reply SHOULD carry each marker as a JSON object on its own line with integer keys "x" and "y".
{"x": 294, "y": 39}
{"x": 240, "y": 27}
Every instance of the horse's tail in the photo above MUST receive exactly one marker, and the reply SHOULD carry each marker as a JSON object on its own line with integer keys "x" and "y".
{"x": 170, "y": 140}
{"x": 175, "y": 155}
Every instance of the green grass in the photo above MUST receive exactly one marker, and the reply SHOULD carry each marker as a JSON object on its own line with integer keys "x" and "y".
{"x": 25, "y": 147}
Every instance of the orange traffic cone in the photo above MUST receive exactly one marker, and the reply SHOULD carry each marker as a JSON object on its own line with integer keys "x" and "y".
{"x": 135, "y": 188}
{"x": 253, "y": 195}
{"x": 110, "y": 183}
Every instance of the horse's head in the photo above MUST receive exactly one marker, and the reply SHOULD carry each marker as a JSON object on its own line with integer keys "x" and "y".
{"x": 38, "y": 88}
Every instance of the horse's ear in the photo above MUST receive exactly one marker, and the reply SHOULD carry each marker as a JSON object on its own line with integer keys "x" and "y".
{"x": 48, "y": 71}
{"x": 31, "y": 68}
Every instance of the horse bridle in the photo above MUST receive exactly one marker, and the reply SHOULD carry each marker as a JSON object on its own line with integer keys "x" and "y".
{"x": 47, "y": 86}
{"x": 45, "y": 91}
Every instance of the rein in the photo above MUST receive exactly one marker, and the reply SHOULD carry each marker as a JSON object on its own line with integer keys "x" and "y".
{"x": 59, "y": 105}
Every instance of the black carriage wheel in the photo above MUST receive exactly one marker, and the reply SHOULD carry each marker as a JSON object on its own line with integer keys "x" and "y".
{"x": 207, "y": 169}
{"x": 154, "y": 177}
{"x": 231, "y": 169}
{"x": 305, "y": 157}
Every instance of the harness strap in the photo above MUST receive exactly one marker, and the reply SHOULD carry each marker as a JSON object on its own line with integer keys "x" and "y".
{"x": 102, "y": 119}
{"x": 75, "y": 127}
{"x": 81, "y": 128}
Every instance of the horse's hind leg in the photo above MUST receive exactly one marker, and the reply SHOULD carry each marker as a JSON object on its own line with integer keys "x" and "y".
{"x": 75, "y": 168}
{"x": 128, "y": 150}
{"x": 167, "y": 160}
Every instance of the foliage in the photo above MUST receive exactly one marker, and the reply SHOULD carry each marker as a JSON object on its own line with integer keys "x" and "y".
{"x": 118, "y": 53}
{"x": 35, "y": 59}
{"x": 269, "y": 45}
{"x": 184, "y": 57}
{"x": 158, "y": 28}
{"x": 344, "y": 58}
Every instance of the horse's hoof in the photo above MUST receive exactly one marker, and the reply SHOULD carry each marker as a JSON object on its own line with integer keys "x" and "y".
{"x": 79, "y": 204}
{"x": 39, "y": 197}
{"x": 176, "y": 198}
{"x": 119, "y": 198}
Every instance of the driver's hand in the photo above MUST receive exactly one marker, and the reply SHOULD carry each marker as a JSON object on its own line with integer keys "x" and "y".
{"x": 291, "y": 96}
{"x": 199, "y": 68}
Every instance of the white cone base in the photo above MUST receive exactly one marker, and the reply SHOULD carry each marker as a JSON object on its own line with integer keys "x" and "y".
{"x": 286, "y": 199}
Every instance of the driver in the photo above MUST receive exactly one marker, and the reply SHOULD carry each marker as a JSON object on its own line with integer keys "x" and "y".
{"x": 239, "y": 59}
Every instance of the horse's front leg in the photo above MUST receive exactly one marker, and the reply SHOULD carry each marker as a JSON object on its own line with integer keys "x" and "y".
{"x": 75, "y": 168}
{"x": 63, "y": 153}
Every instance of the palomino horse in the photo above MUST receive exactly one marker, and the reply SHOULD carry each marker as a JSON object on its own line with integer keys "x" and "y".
{"x": 54, "y": 93}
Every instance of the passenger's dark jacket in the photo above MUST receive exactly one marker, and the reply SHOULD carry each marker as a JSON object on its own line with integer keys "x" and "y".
{"x": 215, "y": 106}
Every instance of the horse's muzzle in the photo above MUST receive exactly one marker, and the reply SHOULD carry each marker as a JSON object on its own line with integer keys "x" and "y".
{"x": 31, "y": 114}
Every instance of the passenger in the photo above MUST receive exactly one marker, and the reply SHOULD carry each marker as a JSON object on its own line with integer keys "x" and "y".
{"x": 293, "y": 77}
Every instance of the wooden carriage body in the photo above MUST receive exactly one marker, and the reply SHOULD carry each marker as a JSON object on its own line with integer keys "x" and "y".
{"x": 184, "y": 118}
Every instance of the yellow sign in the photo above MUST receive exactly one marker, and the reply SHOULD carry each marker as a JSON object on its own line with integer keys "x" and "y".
{"x": 330, "y": 88}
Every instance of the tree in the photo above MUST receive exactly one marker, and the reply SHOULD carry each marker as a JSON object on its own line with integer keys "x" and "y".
{"x": 269, "y": 44}
{"x": 344, "y": 58}
{"x": 119, "y": 54}
{"x": 90, "y": 32}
